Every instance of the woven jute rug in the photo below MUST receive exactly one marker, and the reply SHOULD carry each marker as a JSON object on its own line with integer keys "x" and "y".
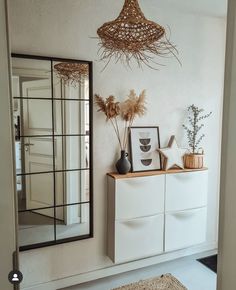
{"x": 164, "y": 282}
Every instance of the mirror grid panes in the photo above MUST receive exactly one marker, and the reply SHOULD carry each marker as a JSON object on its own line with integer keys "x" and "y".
{"x": 53, "y": 148}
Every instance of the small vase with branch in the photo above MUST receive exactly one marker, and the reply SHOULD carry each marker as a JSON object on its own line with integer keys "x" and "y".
{"x": 194, "y": 159}
{"x": 126, "y": 111}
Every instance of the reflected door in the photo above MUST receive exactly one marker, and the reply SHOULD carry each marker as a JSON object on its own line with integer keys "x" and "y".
{"x": 38, "y": 151}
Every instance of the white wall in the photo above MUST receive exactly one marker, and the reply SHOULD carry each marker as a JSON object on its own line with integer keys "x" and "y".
{"x": 7, "y": 212}
{"x": 63, "y": 28}
{"x": 227, "y": 242}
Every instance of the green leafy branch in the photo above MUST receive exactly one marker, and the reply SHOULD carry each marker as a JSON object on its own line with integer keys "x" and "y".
{"x": 193, "y": 130}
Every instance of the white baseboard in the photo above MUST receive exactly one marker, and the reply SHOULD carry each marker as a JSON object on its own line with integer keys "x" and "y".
{"x": 121, "y": 268}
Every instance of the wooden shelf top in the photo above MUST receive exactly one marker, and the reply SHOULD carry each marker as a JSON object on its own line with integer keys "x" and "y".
{"x": 151, "y": 173}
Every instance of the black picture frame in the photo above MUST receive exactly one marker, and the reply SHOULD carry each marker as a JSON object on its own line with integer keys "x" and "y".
{"x": 149, "y": 158}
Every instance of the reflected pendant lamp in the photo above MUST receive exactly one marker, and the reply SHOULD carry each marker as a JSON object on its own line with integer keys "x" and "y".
{"x": 71, "y": 72}
{"x": 133, "y": 37}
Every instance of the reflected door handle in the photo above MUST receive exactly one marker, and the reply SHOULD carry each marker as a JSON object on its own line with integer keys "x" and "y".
{"x": 27, "y": 145}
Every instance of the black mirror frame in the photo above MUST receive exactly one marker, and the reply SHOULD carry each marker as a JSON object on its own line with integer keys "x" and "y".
{"x": 91, "y": 218}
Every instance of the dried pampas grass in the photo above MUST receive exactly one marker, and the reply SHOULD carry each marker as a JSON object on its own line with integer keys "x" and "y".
{"x": 111, "y": 109}
{"x": 134, "y": 106}
{"x": 108, "y": 106}
{"x": 128, "y": 110}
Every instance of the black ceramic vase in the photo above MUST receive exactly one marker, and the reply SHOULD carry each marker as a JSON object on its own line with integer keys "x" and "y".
{"x": 123, "y": 165}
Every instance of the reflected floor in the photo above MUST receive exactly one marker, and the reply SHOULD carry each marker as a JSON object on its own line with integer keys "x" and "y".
{"x": 35, "y": 228}
{"x": 31, "y": 219}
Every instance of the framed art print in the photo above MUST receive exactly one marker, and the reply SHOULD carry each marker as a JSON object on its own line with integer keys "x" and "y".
{"x": 144, "y": 142}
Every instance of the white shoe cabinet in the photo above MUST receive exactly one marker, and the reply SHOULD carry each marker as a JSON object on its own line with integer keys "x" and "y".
{"x": 150, "y": 213}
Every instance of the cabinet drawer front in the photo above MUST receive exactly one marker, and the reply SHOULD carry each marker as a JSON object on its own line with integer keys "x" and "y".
{"x": 138, "y": 238}
{"x": 186, "y": 190}
{"x": 139, "y": 197}
{"x": 185, "y": 228}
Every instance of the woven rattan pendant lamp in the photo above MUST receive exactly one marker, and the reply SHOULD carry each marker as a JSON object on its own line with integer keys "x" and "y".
{"x": 132, "y": 36}
{"x": 73, "y": 73}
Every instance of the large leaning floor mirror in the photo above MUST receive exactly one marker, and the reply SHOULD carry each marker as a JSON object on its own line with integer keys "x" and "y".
{"x": 52, "y": 112}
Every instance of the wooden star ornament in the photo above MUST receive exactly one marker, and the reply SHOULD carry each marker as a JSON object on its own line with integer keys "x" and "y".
{"x": 173, "y": 155}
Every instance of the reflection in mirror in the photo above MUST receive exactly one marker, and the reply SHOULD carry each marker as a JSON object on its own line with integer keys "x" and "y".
{"x": 36, "y": 227}
{"x": 53, "y": 149}
{"x": 73, "y": 224}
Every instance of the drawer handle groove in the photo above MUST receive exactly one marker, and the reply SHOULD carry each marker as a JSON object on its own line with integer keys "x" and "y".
{"x": 185, "y": 214}
{"x": 137, "y": 223}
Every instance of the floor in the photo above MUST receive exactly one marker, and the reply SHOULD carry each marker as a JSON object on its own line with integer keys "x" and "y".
{"x": 191, "y": 273}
